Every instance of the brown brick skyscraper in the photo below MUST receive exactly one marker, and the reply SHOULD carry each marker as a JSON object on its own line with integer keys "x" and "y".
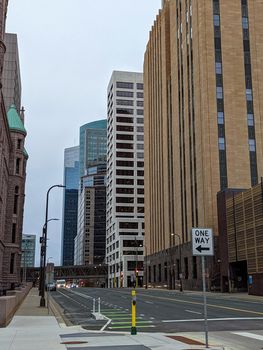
{"x": 203, "y": 88}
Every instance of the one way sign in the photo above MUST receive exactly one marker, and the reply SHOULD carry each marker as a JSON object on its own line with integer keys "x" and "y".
{"x": 202, "y": 241}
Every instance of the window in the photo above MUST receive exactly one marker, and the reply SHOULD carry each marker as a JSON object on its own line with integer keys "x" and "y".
{"x": 124, "y": 102}
{"x": 216, "y": 20}
{"x": 218, "y": 68}
{"x": 140, "y": 146}
{"x": 18, "y": 162}
{"x": 139, "y": 111}
{"x": 125, "y": 190}
{"x": 124, "y": 93}
{"x": 124, "y": 200}
{"x": 140, "y": 155}
{"x": 140, "y": 129}
{"x": 159, "y": 273}
{"x": 19, "y": 142}
{"x": 219, "y": 92}
{"x": 140, "y": 121}
{"x": 124, "y": 163}
{"x": 124, "y": 145}
{"x": 221, "y": 143}
{"x": 140, "y": 182}
{"x": 124, "y": 120}
{"x": 139, "y": 94}
{"x": 245, "y": 22}
{"x": 128, "y": 225}
{"x": 124, "y": 111}
{"x": 250, "y": 120}
{"x": 194, "y": 267}
{"x": 124, "y": 137}
{"x": 13, "y": 232}
{"x": 12, "y": 263}
{"x": 124, "y": 85}
{"x": 249, "y": 95}
{"x": 124, "y": 172}
{"x": 140, "y": 209}
{"x": 220, "y": 118}
{"x": 124, "y": 155}
{"x": 140, "y": 173}
{"x": 252, "y": 145}
{"x": 186, "y": 273}
{"x": 140, "y": 200}
{"x": 139, "y": 86}
{"x": 124, "y": 181}
{"x": 140, "y": 191}
{"x": 16, "y": 200}
{"x": 126, "y": 128}
{"x": 140, "y": 137}
{"x": 140, "y": 103}
{"x": 124, "y": 209}
{"x": 140, "y": 164}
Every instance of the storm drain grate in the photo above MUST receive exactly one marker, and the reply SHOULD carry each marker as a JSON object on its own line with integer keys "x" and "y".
{"x": 185, "y": 340}
{"x": 73, "y": 342}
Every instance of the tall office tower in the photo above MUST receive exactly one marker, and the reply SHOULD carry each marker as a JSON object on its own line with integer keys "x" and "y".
{"x": 203, "y": 87}
{"x": 11, "y": 73}
{"x": 70, "y": 204}
{"x": 125, "y": 180}
{"x": 28, "y": 250}
{"x": 91, "y": 236}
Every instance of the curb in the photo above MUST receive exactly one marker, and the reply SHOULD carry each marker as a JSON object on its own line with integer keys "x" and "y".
{"x": 58, "y": 313}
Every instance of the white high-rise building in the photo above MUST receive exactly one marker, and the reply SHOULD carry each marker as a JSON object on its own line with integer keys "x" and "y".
{"x": 125, "y": 180}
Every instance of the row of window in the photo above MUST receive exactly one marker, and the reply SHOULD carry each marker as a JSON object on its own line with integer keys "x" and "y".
{"x": 128, "y": 85}
{"x": 129, "y": 111}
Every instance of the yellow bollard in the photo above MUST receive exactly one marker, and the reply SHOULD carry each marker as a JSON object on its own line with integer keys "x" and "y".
{"x": 133, "y": 327}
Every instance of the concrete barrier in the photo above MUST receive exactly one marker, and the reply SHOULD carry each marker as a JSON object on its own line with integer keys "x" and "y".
{"x": 11, "y": 302}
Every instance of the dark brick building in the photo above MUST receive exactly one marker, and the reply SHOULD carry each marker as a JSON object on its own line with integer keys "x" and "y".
{"x": 13, "y": 158}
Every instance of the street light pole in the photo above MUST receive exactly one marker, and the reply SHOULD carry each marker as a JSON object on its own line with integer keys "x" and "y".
{"x": 42, "y": 254}
{"x": 180, "y": 259}
{"x": 44, "y": 250}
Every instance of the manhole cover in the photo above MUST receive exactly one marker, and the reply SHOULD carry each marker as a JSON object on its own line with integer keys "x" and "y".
{"x": 73, "y": 342}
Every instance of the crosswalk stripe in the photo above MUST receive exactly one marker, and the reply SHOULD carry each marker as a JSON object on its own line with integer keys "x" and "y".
{"x": 249, "y": 335}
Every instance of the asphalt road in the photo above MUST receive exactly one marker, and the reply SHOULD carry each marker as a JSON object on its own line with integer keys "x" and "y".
{"x": 161, "y": 310}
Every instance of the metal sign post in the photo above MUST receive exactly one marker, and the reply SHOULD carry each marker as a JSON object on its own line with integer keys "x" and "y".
{"x": 205, "y": 305}
{"x": 203, "y": 245}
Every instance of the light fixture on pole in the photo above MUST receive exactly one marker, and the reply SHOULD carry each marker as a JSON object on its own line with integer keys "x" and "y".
{"x": 180, "y": 259}
{"x": 44, "y": 250}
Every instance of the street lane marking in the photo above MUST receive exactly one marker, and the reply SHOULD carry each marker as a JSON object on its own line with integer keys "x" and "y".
{"x": 149, "y": 302}
{"x": 194, "y": 312}
{"x": 249, "y": 335}
{"x": 214, "y": 319}
{"x": 199, "y": 303}
{"x": 129, "y": 323}
{"x": 127, "y": 327}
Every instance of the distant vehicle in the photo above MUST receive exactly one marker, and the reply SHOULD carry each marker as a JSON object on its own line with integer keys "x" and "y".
{"x": 51, "y": 287}
{"x": 61, "y": 283}
{"x": 74, "y": 285}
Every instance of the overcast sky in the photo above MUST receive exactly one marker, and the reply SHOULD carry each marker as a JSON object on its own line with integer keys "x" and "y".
{"x": 68, "y": 50}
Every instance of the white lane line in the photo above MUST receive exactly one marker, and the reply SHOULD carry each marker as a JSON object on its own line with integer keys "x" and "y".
{"x": 149, "y": 302}
{"x": 249, "y": 335}
{"x": 214, "y": 319}
{"x": 152, "y": 318}
{"x": 194, "y": 312}
{"x": 142, "y": 315}
{"x": 106, "y": 324}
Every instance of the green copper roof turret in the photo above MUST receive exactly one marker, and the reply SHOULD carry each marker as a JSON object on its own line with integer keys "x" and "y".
{"x": 14, "y": 120}
{"x": 25, "y": 153}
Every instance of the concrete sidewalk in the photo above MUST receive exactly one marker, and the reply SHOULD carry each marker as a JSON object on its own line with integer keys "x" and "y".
{"x": 33, "y": 329}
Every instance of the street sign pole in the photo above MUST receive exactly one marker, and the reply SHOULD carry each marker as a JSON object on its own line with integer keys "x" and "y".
{"x": 205, "y": 304}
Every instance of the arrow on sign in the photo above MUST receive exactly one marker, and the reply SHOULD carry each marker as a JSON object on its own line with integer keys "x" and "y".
{"x": 200, "y": 249}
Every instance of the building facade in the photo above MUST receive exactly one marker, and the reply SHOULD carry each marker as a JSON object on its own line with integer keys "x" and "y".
{"x": 28, "y": 248}
{"x": 203, "y": 130}
{"x": 91, "y": 234}
{"x": 70, "y": 204}
{"x": 125, "y": 180}
{"x": 11, "y": 73}
{"x": 241, "y": 245}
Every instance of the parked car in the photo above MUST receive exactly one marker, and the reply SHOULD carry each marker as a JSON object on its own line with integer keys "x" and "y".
{"x": 51, "y": 287}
